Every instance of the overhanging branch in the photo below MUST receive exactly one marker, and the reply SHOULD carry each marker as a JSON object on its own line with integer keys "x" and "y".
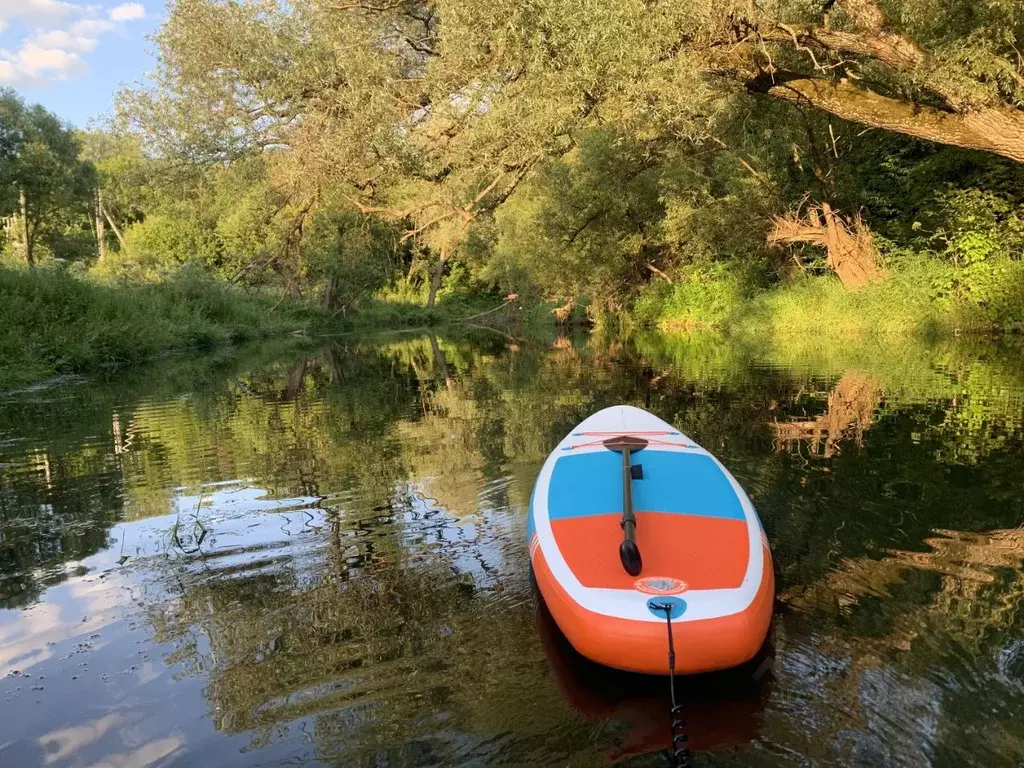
{"x": 994, "y": 129}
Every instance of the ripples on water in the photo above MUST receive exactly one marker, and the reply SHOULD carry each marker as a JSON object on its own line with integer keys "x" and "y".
{"x": 320, "y": 559}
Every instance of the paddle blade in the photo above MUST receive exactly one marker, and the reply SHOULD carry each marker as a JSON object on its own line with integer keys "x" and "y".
{"x": 629, "y": 554}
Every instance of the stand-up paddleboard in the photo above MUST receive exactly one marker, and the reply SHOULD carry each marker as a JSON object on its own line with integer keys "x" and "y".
{"x": 632, "y": 525}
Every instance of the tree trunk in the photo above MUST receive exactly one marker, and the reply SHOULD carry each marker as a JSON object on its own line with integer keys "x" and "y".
{"x": 996, "y": 128}
{"x": 436, "y": 275}
{"x": 851, "y": 408}
{"x": 26, "y": 233}
{"x": 290, "y": 284}
{"x": 327, "y": 300}
{"x": 117, "y": 232}
{"x": 440, "y": 364}
{"x": 101, "y": 233}
{"x": 294, "y": 386}
{"x": 850, "y": 246}
{"x": 894, "y": 50}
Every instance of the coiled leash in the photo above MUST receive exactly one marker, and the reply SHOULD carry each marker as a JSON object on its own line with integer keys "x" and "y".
{"x": 679, "y": 757}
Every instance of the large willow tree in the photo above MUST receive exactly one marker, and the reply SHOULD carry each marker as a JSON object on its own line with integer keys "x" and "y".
{"x": 430, "y": 114}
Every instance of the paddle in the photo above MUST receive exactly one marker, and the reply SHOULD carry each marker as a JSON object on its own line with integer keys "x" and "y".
{"x": 629, "y": 553}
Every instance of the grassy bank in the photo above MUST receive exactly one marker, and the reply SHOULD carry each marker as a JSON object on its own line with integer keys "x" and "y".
{"x": 52, "y": 323}
{"x": 919, "y": 299}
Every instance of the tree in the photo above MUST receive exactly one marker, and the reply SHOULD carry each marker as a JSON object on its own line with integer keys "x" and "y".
{"x": 952, "y": 78}
{"x": 431, "y": 115}
{"x": 125, "y": 181}
{"x": 587, "y": 224}
{"x": 41, "y": 170}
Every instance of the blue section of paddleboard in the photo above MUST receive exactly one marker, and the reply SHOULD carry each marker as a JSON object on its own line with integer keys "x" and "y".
{"x": 587, "y": 484}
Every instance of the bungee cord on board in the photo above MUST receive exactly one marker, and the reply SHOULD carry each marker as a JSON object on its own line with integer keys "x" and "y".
{"x": 679, "y": 755}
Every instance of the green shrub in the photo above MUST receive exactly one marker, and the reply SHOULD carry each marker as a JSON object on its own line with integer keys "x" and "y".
{"x": 54, "y": 323}
{"x": 923, "y": 296}
{"x": 705, "y": 296}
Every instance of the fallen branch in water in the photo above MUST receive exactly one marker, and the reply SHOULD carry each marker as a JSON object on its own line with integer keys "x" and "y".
{"x": 512, "y": 297}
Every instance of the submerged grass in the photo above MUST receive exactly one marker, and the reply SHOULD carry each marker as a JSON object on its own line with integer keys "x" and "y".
{"x": 53, "y": 323}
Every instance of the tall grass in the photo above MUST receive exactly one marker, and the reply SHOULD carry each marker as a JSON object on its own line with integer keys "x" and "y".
{"x": 53, "y": 323}
{"x": 921, "y": 299}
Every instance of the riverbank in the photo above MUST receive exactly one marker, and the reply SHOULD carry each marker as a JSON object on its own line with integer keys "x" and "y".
{"x": 918, "y": 300}
{"x": 53, "y": 323}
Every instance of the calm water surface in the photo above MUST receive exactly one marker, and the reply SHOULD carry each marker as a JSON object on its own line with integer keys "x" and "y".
{"x": 317, "y": 557}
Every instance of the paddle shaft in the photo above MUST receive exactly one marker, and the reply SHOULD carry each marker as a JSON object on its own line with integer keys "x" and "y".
{"x": 628, "y": 518}
{"x": 629, "y": 554}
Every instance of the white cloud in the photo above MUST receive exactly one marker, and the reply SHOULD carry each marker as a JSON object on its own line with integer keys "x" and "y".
{"x": 91, "y": 27}
{"x": 127, "y": 12}
{"x": 65, "y": 743}
{"x": 65, "y": 41}
{"x": 33, "y": 64}
{"x": 36, "y": 11}
{"x": 56, "y": 35}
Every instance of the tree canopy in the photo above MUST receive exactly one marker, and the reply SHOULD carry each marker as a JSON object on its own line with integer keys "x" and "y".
{"x": 42, "y": 179}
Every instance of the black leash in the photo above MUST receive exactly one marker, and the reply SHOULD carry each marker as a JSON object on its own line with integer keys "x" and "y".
{"x": 679, "y": 756}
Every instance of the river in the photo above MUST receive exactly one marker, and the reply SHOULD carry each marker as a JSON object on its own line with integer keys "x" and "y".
{"x": 315, "y": 555}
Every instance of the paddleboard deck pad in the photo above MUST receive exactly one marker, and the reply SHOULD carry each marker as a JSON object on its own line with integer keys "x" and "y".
{"x": 705, "y": 557}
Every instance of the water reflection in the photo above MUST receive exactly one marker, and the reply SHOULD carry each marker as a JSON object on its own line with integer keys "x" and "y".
{"x": 720, "y": 710}
{"x": 318, "y": 557}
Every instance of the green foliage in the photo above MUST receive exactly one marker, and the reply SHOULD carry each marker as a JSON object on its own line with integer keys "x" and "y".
{"x": 563, "y": 152}
{"x": 162, "y": 240}
{"x": 704, "y": 296}
{"x": 53, "y": 323}
{"x": 635, "y": 156}
{"x": 977, "y": 224}
{"x": 357, "y": 255}
{"x": 587, "y": 224}
{"x": 923, "y": 297}
{"x": 43, "y": 182}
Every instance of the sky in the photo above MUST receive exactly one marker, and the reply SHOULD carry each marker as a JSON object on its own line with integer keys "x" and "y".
{"x": 72, "y": 56}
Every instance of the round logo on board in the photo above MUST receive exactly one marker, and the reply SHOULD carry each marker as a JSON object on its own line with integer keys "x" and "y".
{"x": 660, "y": 585}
